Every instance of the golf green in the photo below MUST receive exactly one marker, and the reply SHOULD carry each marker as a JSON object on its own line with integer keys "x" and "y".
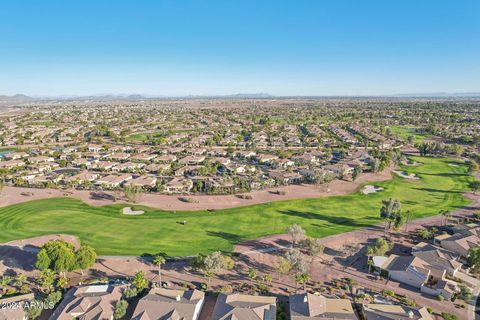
{"x": 105, "y": 228}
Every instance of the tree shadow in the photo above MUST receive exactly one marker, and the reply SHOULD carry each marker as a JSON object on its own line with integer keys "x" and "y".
{"x": 18, "y": 258}
{"x": 444, "y": 174}
{"x": 230, "y": 237}
{"x": 328, "y": 218}
{"x": 98, "y": 195}
{"x": 437, "y": 190}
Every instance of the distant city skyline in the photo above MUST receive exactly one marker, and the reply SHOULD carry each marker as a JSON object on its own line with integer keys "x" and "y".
{"x": 297, "y": 48}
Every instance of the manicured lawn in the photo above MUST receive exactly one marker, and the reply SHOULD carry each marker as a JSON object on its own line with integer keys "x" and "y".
{"x": 111, "y": 233}
{"x": 404, "y": 132}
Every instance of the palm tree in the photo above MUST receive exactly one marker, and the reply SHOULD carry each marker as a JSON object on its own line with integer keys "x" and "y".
{"x": 158, "y": 260}
{"x": 5, "y": 281}
{"x": 389, "y": 211}
{"x": 407, "y": 220}
{"x": 444, "y": 214}
{"x": 20, "y": 279}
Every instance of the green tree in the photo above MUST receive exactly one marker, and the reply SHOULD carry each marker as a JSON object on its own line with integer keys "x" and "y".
{"x": 425, "y": 234}
{"x": 43, "y": 261}
{"x": 132, "y": 193}
{"x": 357, "y": 171}
{"x": 314, "y": 247}
{"x": 213, "y": 264}
{"x": 61, "y": 255}
{"x": 296, "y": 232}
{"x": 282, "y": 266}
{"x": 475, "y": 185}
{"x": 85, "y": 257}
{"x": 139, "y": 281}
{"x": 120, "y": 309}
{"x": 379, "y": 248}
{"x": 474, "y": 258}
{"x": 465, "y": 293}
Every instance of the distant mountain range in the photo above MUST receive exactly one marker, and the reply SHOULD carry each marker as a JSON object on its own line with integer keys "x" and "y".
{"x": 21, "y": 98}
{"x": 17, "y": 97}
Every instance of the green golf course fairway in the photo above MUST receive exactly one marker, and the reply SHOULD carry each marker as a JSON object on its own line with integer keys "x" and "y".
{"x": 111, "y": 233}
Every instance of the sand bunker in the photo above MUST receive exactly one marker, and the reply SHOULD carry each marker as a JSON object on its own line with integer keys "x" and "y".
{"x": 371, "y": 189}
{"x": 129, "y": 212}
{"x": 411, "y": 163}
{"x": 453, "y": 165}
{"x": 403, "y": 174}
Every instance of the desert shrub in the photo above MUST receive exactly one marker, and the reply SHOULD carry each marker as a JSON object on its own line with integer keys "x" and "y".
{"x": 449, "y": 316}
{"x": 227, "y": 289}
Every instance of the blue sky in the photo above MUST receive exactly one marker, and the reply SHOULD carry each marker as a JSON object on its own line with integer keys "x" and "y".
{"x": 296, "y": 47}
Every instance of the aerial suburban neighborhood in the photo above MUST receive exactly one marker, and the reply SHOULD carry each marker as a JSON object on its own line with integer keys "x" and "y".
{"x": 240, "y": 209}
{"x": 240, "y": 160}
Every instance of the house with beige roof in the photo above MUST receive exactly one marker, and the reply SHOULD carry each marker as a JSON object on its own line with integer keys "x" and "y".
{"x": 244, "y": 307}
{"x": 144, "y": 157}
{"x": 113, "y": 181}
{"x": 394, "y": 312}
{"x": 143, "y": 181}
{"x": 178, "y": 185}
{"x": 83, "y": 177}
{"x": 158, "y": 167}
{"x": 308, "y": 306}
{"x": 458, "y": 243}
{"x": 167, "y": 158}
{"x": 10, "y": 164}
{"x": 128, "y": 166}
{"x": 266, "y": 158}
{"x": 192, "y": 160}
{"x": 427, "y": 275}
{"x": 90, "y": 302}
{"x": 161, "y": 304}
{"x": 409, "y": 270}
{"x": 118, "y": 156}
{"x": 438, "y": 257}
{"x": 16, "y": 155}
{"x": 40, "y": 159}
{"x": 104, "y": 165}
